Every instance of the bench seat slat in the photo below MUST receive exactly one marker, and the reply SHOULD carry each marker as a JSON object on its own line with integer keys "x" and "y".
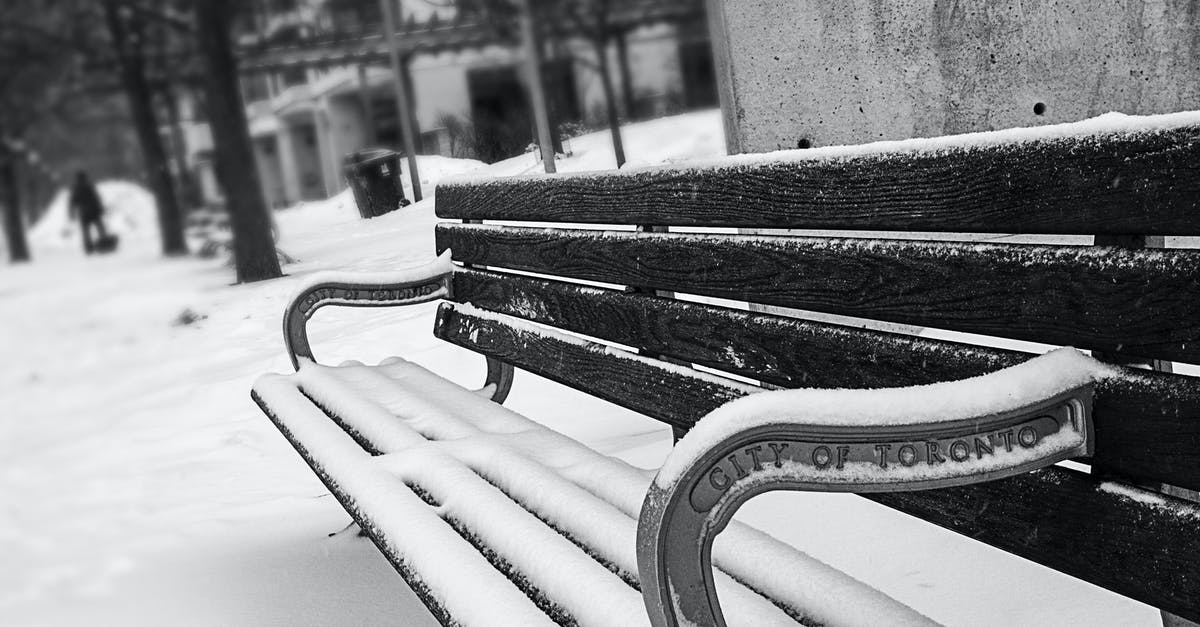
{"x": 417, "y": 542}
{"x": 570, "y": 586}
{"x": 1120, "y": 183}
{"x": 503, "y": 479}
{"x": 1085, "y": 528}
{"x": 505, "y": 534}
{"x": 1147, "y": 424}
{"x": 737, "y": 553}
{"x": 1142, "y": 303}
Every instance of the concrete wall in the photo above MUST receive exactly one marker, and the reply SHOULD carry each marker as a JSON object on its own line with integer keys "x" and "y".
{"x": 852, "y": 71}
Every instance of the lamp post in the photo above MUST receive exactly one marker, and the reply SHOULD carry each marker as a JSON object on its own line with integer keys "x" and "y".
{"x": 537, "y": 92}
{"x": 402, "y": 110}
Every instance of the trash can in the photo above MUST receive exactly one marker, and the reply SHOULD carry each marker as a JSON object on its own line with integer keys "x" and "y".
{"x": 374, "y": 177}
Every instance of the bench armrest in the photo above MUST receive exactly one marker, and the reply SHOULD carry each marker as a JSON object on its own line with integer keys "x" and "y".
{"x": 998, "y": 425}
{"x": 411, "y": 286}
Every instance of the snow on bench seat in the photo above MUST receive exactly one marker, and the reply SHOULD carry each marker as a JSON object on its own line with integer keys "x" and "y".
{"x": 488, "y": 514}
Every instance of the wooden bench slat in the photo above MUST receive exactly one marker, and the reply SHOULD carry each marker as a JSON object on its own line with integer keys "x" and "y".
{"x": 1057, "y": 517}
{"x": 781, "y": 351}
{"x": 1147, "y": 423}
{"x": 1146, "y": 550}
{"x": 1143, "y": 303}
{"x": 1145, "y": 183}
{"x": 624, "y": 381}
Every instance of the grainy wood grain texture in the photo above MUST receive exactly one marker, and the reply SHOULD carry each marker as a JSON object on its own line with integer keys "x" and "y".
{"x": 1136, "y": 302}
{"x": 1056, "y": 517}
{"x": 786, "y": 352}
{"x": 1071, "y": 523}
{"x": 1147, "y": 424}
{"x": 629, "y": 382}
{"x": 1143, "y": 183}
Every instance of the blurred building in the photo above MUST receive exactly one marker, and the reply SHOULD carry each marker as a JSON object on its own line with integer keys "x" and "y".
{"x": 318, "y": 84}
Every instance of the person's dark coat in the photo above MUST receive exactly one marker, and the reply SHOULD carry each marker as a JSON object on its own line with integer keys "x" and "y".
{"x": 86, "y": 201}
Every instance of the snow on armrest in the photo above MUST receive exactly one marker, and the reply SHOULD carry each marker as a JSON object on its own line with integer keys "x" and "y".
{"x": 996, "y": 425}
{"x": 407, "y": 286}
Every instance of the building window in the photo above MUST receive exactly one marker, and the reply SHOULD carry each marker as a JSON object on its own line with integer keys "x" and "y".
{"x": 293, "y": 76}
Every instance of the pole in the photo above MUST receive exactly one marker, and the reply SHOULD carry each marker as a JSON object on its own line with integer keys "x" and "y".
{"x": 406, "y": 131}
{"x": 537, "y": 92}
{"x": 364, "y": 98}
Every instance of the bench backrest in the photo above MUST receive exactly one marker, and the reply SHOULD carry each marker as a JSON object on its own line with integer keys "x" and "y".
{"x": 913, "y": 224}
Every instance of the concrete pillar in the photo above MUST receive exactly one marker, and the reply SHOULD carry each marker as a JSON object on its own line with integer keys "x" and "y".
{"x": 822, "y": 72}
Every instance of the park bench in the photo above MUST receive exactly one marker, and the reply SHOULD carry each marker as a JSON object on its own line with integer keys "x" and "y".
{"x": 705, "y": 289}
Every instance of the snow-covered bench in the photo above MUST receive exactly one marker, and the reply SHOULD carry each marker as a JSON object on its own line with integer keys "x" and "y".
{"x": 492, "y": 518}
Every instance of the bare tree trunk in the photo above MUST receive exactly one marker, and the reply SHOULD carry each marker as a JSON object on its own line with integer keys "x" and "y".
{"x": 14, "y": 227}
{"x": 253, "y": 246}
{"x": 188, "y": 194}
{"x": 131, "y": 61}
{"x": 610, "y": 101}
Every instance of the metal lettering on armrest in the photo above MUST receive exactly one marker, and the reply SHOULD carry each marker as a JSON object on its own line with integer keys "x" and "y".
{"x": 368, "y": 296}
{"x": 678, "y": 522}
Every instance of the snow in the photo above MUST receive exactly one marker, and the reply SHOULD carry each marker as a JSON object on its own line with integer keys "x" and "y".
{"x": 1005, "y": 390}
{"x": 139, "y": 485}
{"x": 129, "y": 213}
{"x": 424, "y": 272}
{"x": 1147, "y": 498}
{"x": 524, "y": 459}
{"x": 1107, "y": 124}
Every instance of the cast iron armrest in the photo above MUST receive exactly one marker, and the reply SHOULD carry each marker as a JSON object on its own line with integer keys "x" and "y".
{"x": 740, "y": 451}
{"x": 408, "y": 287}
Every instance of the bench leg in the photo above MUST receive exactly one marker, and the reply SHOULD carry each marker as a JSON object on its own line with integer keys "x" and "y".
{"x": 499, "y": 374}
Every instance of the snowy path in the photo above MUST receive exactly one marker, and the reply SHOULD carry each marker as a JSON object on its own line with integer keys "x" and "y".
{"x": 139, "y": 485}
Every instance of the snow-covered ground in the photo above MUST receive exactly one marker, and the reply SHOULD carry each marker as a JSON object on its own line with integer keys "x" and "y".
{"x": 139, "y": 485}
{"x": 130, "y": 213}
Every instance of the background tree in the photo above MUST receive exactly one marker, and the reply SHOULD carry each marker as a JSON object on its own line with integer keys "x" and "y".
{"x": 593, "y": 19}
{"x": 36, "y": 54}
{"x": 62, "y": 84}
{"x": 14, "y": 226}
{"x": 602, "y": 23}
{"x": 132, "y": 28}
{"x": 253, "y": 246}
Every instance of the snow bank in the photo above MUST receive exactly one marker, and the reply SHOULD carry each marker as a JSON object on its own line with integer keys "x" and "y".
{"x": 130, "y": 211}
{"x": 680, "y": 138}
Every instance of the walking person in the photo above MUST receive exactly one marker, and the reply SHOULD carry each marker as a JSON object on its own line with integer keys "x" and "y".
{"x": 85, "y": 202}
